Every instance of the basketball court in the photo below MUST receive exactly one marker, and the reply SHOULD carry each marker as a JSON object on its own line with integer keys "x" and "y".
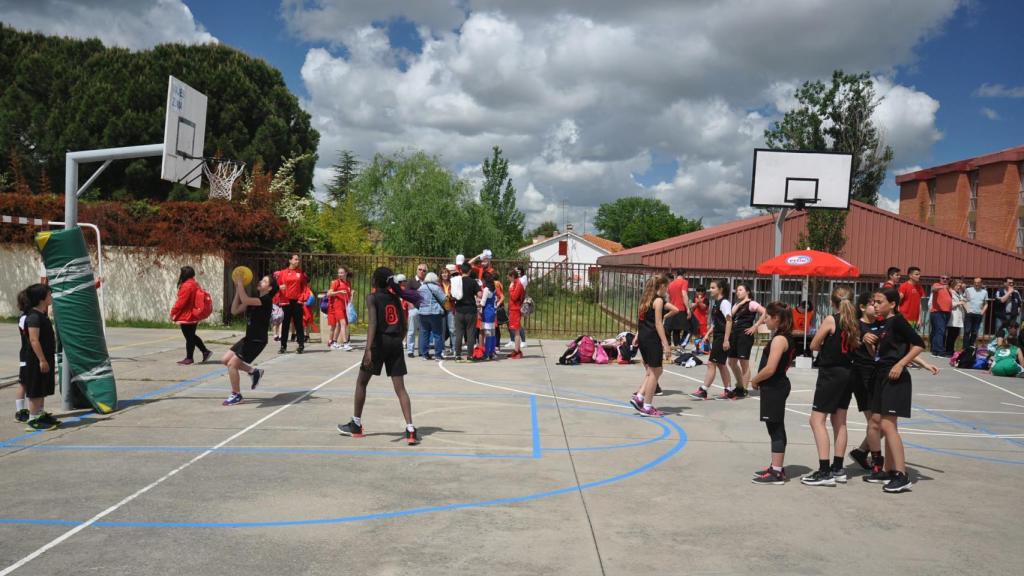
{"x": 526, "y": 467}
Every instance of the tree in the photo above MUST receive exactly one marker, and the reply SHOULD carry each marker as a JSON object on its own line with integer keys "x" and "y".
{"x": 634, "y": 221}
{"x": 499, "y": 196}
{"x": 345, "y": 172}
{"x": 546, "y": 229}
{"x": 59, "y": 94}
{"x": 837, "y": 118}
{"x": 345, "y": 228}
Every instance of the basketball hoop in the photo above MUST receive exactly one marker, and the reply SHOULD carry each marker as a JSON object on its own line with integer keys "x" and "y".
{"x": 222, "y": 176}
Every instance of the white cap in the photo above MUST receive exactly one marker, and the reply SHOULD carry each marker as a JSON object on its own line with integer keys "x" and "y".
{"x": 487, "y": 254}
{"x": 399, "y": 277}
{"x": 450, "y": 267}
{"x": 459, "y": 260}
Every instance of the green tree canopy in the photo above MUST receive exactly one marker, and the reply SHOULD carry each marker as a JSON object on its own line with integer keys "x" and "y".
{"x": 836, "y": 117}
{"x": 499, "y": 197}
{"x": 60, "y": 94}
{"x": 345, "y": 172}
{"x": 634, "y": 221}
{"x": 546, "y": 229}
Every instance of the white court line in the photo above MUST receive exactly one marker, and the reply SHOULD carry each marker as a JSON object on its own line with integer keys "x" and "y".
{"x": 56, "y": 541}
{"x": 920, "y": 432}
{"x": 716, "y": 385}
{"x": 938, "y": 396}
{"x": 507, "y": 389}
{"x": 989, "y": 383}
{"x": 1012, "y": 404}
{"x": 940, "y": 410}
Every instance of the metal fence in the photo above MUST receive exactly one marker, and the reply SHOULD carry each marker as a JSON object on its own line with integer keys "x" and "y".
{"x": 571, "y": 298}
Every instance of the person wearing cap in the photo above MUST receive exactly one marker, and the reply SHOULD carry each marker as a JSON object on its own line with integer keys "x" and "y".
{"x": 484, "y": 266}
{"x": 414, "y": 324}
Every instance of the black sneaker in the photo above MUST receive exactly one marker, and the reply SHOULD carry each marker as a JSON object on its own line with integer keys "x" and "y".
{"x": 766, "y": 469}
{"x": 818, "y": 478}
{"x": 351, "y": 429}
{"x": 458, "y": 358}
{"x": 42, "y": 422}
{"x": 300, "y": 350}
{"x": 411, "y": 354}
{"x": 839, "y": 474}
{"x": 770, "y": 476}
{"x": 739, "y": 393}
{"x": 427, "y": 357}
{"x": 206, "y": 355}
{"x": 900, "y": 482}
{"x": 861, "y": 458}
{"x": 21, "y": 416}
{"x": 700, "y": 394}
{"x": 257, "y": 373}
{"x": 657, "y": 391}
{"x": 877, "y": 476}
{"x": 412, "y": 436}
{"x": 282, "y": 350}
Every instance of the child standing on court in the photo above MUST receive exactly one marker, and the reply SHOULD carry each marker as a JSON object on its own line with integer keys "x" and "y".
{"x": 339, "y": 295}
{"x": 771, "y": 379}
{"x": 720, "y": 332}
{"x": 653, "y": 342}
{"x": 38, "y": 348}
{"x": 257, "y": 320}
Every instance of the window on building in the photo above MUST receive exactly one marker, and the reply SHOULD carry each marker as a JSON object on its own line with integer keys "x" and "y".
{"x": 931, "y": 199}
{"x": 974, "y": 192}
{"x": 1020, "y": 194}
{"x": 971, "y": 230}
{"x": 1020, "y": 235}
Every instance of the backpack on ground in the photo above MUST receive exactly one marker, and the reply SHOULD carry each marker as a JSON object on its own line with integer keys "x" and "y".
{"x": 478, "y": 352}
{"x": 980, "y": 359}
{"x": 587, "y": 349}
{"x": 571, "y": 356}
{"x": 600, "y": 355}
{"x": 963, "y": 359}
{"x": 626, "y": 350}
{"x": 528, "y": 306}
{"x": 203, "y": 306}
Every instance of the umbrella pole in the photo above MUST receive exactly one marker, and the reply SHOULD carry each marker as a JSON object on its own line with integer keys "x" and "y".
{"x": 806, "y": 311}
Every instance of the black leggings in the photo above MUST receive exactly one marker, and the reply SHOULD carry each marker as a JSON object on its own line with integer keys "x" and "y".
{"x": 952, "y": 333}
{"x": 777, "y": 431}
{"x": 677, "y": 336}
{"x": 293, "y": 316}
{"x": 192, "y": 341}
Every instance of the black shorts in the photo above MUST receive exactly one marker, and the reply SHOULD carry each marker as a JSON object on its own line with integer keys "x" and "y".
{"x": 832, "y": 391}
{"x": 388, "y": 353}
{"x": 891, "y": 397}
{"x": 862, "y": 382}
{"x": 718, "y": 355}
{"x": 652, "y": 353}
{"x": 678, "y": 322}
{"x": 248, "y": 350}
{"x": 740, "y": 345}
{"x": 773, "y": 400}
{"x": 37, "y": 384}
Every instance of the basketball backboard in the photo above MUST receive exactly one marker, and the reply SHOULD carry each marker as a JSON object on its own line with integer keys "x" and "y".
{"x": 794, "y": 179}
{"x": 184, "y": 134}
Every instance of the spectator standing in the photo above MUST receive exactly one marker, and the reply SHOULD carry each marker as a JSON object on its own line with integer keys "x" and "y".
{"x": 449, "y": 308}
{"x": 975, "y": 306}
{"x": 293, "y": 283}
{"x": 1007, "y": 303}
{"x": 465, "y": 310}
{"x": 939, "y": 311}
{"x": 893, "y": 275}
{"x": 183, "y": 313}
{"x": 677, "y": 325}
{"x": 414, "y": 324}
{"x": 911, "y": 293}
{"x": 956, "y": 317}
{"x": 431, "y": 317}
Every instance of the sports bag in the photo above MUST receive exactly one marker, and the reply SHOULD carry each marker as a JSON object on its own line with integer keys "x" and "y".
{"x": 203, "y": 306}
{"x": 600, "y": 355}
{"x": 528, "y": 306}
{"x": 456, "y": 287}
{"x": 587, "y": 350}
{"x": 964, "y": 359}
{"x": 351, "y": 314}
{"x": 325, "y": 304}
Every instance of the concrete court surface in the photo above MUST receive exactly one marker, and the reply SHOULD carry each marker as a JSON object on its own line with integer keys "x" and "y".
{"x": 526, "y": 467}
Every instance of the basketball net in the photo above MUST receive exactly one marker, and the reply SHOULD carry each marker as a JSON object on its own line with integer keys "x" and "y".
{"x": 222, "y": 177}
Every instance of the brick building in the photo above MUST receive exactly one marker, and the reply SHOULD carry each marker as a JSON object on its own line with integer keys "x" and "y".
{"x": 980, "y": 198}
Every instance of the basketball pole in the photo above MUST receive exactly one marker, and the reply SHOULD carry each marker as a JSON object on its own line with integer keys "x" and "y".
{"x": 71, "y": 193}
{"x": 780, "y": 220}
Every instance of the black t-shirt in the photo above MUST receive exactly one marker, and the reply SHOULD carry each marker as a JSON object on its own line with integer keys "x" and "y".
{"x": 257, "y": 318}
{"x": 390, "y": 316}
{"x": 37, "y": 319}
{"x": 647, "y": 329}
{"x": 862, "y": 356}
{"x": 835, "y": 349}
{"x": 470, "y": 288}
{"x": 895, "y": 338}
{"x": 1010, "y": 308}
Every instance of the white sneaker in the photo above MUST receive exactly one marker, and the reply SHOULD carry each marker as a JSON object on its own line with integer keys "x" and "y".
{"x": 510, "y": 345}
{"x": 521, "y": 344}
{"x": 335, "y": 346}
{"x": 347, "y": 347}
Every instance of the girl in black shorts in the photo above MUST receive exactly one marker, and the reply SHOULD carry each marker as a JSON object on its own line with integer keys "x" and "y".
{"x": 836, "y": 340}
{"x": 896, "y": 345}
{"x": 774, "y": 385}
{"x": 720, "y": 317}
{"x": 384, "y": 350}
{"x": 38, "y": 348}
{"x": 257, "y": 324}
{"x": 653, "y": 343}
{"x": 747, "y": 316}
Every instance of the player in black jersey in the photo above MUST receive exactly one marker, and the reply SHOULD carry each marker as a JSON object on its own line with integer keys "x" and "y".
{"x": 384, "y": 349}
{"x": 720, "y": 332}
{"x": 747, "y": 316}
{"x": 835, "y": 341}
{"x": 896, "y": 345}
{"x": 257, "y": 324}
{"x": 652, "y": 341}
{"x": 774, "y": 385}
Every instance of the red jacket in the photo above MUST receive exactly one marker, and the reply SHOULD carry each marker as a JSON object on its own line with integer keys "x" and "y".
{"x": 183, "y": 311}
{"x": 293, "y": 283}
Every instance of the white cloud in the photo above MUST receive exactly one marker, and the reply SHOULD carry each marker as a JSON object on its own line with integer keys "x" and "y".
{"x": 890, "y": 204}
{"x": 989, "y": 113}
{"x": 135, "y": 24}
{"x": 581, "y": 95}
{"x": 987, "y": 90}
{"x": 906, "y": 170}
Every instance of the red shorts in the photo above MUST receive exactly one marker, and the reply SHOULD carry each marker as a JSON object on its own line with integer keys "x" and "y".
{"x": 337, "y": 312}
{"x": 515, "y": 318}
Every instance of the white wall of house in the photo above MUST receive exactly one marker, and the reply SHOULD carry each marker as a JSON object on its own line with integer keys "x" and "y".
{"x": 580, "y": 251}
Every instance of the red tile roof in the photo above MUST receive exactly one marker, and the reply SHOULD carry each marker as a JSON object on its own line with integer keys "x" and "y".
{"x": 609, "y": 245}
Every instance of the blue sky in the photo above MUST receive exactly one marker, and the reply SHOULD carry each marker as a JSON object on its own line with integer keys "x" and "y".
{"x": 596, "y": 99}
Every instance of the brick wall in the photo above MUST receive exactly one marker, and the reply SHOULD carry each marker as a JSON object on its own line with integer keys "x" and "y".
{"x": 952, "y": 198}
{"x": 914, "y": 200}
{"x": 997, "y": 205}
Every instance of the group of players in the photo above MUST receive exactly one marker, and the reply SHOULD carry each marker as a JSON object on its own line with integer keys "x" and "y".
{"x": 864, "y": 349}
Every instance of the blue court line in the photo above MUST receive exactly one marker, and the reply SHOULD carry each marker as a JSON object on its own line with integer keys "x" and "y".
{"x": 171, "y": 388}
{"x": 536, "y": 427}
{"x": 678, "y": 446}
{"x": 969, "y": 426}
{"x": 962, "y": 454}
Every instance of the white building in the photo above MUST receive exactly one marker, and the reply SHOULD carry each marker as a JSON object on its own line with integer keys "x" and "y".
{"x": 570, "y": 248}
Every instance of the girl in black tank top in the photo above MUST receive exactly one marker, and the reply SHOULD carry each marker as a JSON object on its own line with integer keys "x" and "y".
{"x": 774, "y": 385}
{"x": 835, "y": 341}
{"x": 652, "y": 341}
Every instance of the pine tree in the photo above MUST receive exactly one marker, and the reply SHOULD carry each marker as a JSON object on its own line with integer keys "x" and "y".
{"x": 498, "y": 195}
{"x": 345, "y": 172}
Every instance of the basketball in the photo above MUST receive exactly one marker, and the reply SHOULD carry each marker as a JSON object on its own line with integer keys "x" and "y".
{"x": 243, "y": 273}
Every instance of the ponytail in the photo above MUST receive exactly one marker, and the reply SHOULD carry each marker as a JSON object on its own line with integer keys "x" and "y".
{"x": 848, "y": 323}
{"x": 30, "y": 297}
